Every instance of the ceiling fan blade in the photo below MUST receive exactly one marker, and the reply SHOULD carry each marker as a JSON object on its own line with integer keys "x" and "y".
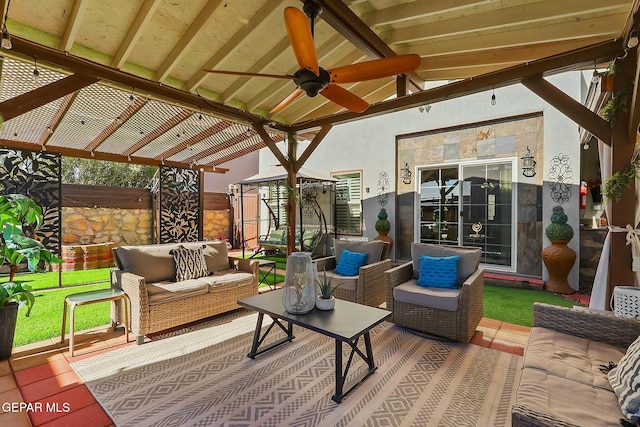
{"x": 375, "y": 69}
{"x": 238, "y": 73}
{"x": 301, "y": 39}
{"x": 345, "y": 98}
{"x": 288, "y": 100}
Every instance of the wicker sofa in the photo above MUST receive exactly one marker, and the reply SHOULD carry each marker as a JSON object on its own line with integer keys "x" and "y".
{"x": 560, "y": 382}
{"x": 147, "y": 274}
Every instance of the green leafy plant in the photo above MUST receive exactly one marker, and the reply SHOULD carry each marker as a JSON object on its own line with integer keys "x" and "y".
{"x": 559, "y": 229}
{"x": 18, "y": 293}
{"x": 614, "y": 186}
{"x": 20, "y": 215}
{"x": 618, "y": 102}
{"x": 382, "y": 224}
{"x": 325, "y": 285}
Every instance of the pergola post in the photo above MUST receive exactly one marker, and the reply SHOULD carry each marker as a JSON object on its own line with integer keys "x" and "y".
{"x": 292, "y": 145}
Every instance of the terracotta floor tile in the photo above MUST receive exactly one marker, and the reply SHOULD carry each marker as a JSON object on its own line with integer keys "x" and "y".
{"x": 26, "y": 361}
{"x": 512, "y": 327}
{"x": 489, "y": 333}
{"x": 10, "y": 396}
{"x": 507, "y": 347}
{"x": 62, "y": 404}
{"x": 15, "y": 419}
{"x": 512, "y": 336}
{"x": 49, "y": 369}
{"x": 490, "y": 323}
{"x": 48, "y": 387}
{"x": 79, "y": 418}
{"x": 479, "y": 338}
{"x": 7, "y": 383}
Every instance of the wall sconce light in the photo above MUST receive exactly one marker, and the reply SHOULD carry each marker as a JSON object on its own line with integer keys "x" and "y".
{"x": 528, "y": 164}
{"x": 405, "y": 173}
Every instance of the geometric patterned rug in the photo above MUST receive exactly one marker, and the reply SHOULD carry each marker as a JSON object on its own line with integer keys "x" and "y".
{"x": 201, "y": 376}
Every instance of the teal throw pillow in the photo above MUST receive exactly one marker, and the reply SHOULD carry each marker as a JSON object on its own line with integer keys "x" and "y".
{"x": 350, "y": 263}
{"x": 438, "y": 272}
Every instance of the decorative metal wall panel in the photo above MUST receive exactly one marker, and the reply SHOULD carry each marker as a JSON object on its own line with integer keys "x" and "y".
{"x": 36, "y": 174}
{"x": 179, "y": 205}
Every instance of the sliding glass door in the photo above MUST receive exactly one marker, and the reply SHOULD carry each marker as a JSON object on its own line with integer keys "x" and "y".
{"x": 470, "y": 205}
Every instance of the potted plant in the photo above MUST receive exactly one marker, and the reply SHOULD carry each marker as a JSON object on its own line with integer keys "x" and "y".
{"x": 559, "y": 258}
{"x": 326, "y": 300}
{"x": 382, "y": 227}
{"x": 18, "y": 214}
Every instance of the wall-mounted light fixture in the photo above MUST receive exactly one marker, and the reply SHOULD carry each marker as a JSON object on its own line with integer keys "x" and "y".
{"x": 528, "y": 164}
{"x": 405, "y": 173}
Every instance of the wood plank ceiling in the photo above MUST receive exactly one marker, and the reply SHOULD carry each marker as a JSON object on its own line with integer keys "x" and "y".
{"x": 124, "y": 79}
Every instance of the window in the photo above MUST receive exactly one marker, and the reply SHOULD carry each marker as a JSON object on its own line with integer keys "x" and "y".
{"x": 277, "y": 204}
{"x": 349, "y": 203}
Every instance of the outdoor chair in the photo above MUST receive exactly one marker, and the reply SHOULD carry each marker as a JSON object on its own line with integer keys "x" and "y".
{"x": 367, "y": 286}
{"x": 418, "y": 299}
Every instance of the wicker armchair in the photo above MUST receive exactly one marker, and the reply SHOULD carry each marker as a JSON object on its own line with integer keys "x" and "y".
{"x": 368, "y": 287}
{"x": 449, "y": 313}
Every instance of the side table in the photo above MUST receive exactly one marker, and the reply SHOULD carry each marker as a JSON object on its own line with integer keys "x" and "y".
{"x": 92, "y": 297}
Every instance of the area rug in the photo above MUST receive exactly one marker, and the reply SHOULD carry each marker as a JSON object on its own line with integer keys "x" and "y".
{"x": 203, "y": 377}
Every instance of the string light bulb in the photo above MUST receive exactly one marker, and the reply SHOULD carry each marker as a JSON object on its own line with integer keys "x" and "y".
{"x": 6, "y": 37}
{"x": 493, "y": 96}
{"x": 632, "y": 41}
{"x": 595, "y": 78}
{"x": 131, "y": 97}
{"x": 36, "y": 72}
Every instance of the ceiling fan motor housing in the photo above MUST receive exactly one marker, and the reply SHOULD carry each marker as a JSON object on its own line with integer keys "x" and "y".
{"x": 310, "y": 83}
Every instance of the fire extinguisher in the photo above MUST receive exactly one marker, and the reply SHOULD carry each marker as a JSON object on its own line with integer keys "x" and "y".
{"x": 583, "y": 195}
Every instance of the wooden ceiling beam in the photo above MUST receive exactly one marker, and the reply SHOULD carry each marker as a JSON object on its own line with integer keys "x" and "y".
{"x": 73, "y": 25}
{"x": 570, "y": 107}
{"x": 158, "y": 131}
{"x": 312, "y": 147}
{"x": 559, "y": 63}
{"x": 135, "y": 106}
{"x": 142, "y": 19}
{"x": 43, "y": 95}
{"x": 337, "y": 14}
{"x": 57, "y": 118}
{"x": 416, "y": 10}
{"x": 94, "y": 71}
{"x": 187, "y": 39}
{"x": 97, "y": 155}
{"x": 216, "y": 128}
{"x": 268, "y": 141}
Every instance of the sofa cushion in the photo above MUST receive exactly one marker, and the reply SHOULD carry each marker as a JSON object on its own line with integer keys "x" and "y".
{"x": 190, "y": 263}
{"x": 216, "y": 255}
{"x": 153, "y": 262}
{"x": 440, "y": 298}
{"x": 570, "y": 401}
{"x": 373, "y": 249}
{"x": 309, "y": 238}
{"x": 163, "y": 292}
{"x": 349, "y": 283}
{"x": 438, "y": 272}
{"x": 467, "y": 264}
{"x": 567, "y": 356}
{"x": 625, "y": 380}
{"x": 228, "y": 278}
{"x": 350, "y": 263}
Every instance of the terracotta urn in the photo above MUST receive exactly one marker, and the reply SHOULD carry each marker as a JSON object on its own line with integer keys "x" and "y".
{"x": 559, "y": 259}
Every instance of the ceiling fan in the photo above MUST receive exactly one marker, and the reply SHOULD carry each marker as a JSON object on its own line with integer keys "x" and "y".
{"x": 313, "y": 79}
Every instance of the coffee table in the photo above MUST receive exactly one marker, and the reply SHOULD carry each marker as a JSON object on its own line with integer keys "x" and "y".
{"x": 346, "y": 324}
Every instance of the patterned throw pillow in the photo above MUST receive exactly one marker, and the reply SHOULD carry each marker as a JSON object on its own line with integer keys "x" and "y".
{"x": 438, "y": 272}
{"x": 190, "y": 263}
{"x": 350, "y": 263}
{"x": 625, "y": 381}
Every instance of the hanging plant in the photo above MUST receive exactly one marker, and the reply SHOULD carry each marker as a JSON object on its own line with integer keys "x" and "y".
{"x": 618, "y": 102}
{"x": 613, "y": 187}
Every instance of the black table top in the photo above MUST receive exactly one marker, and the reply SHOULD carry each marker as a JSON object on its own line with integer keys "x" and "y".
{"x": 345, "y": 322}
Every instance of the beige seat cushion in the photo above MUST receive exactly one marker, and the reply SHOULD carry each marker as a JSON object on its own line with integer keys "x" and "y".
{"x": 467, "y": 263}
{"x": 440, "y": 298}
{"x": 153, "y": 262}
{"x": 163, "y": 292}
{"x": 568, "y": 400}
{"x": 228, "y": 278}
{"x": 373, "y": 249}
{"x": 570, "y": 357}
{"x": 349, "y": 283}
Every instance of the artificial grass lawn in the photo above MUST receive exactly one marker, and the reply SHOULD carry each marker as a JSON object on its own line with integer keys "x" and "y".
{"x": 514, "y": 305}
{"x": 69, "y": 278}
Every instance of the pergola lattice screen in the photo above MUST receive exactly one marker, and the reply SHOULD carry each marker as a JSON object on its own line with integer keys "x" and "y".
{"x": 36, "y": 174}
{"x": 179, "y": 205}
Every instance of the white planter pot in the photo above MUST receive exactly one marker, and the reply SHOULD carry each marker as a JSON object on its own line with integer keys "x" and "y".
{"x": 325, "y": 304}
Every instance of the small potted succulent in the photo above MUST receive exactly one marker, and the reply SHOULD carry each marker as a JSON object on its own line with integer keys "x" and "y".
{"x": 559, "y": 258}
{"x": 326, "y": 300}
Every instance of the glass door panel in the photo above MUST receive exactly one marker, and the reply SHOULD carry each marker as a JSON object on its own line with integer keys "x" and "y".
{"x": 439, "y": 210}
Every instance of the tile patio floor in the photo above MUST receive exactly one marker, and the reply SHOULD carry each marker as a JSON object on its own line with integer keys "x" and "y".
{"x": 41, "y": 373}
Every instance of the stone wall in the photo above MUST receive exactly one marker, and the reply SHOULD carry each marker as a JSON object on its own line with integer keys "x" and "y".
{"x": 84, "y": 225}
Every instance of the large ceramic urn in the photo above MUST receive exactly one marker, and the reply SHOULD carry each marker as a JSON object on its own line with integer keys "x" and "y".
{"x": 559, "y": 258}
